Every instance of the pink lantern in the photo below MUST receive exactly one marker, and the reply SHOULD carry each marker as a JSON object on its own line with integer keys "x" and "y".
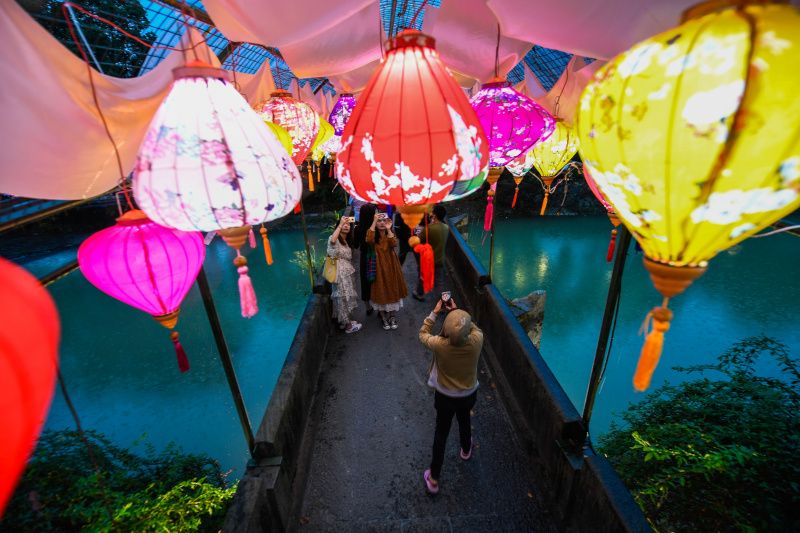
{"x": 341, "y": 112}
{"x": 29, "y": 339}
{"x": 296, "y": 117}
{"x": 145, "y": 265}
{"x": 513, "y": 123}
{"x": 612, "y": 215}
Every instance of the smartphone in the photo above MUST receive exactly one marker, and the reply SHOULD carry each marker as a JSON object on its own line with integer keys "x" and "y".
{"x": 349, "y": 219}
{"x": 445, "y": 297}
{"x": 382, "y": 215}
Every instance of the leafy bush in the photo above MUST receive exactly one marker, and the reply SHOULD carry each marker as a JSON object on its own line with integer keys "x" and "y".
{"x": 716, "y": 455}
{"x": 166, "y": 491}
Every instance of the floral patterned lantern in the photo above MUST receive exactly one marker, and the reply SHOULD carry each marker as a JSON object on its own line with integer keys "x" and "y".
{"x": 518, "y": 168}
{"x": 550, "y": 156}
{"x": 612, "y": 215}
{"x": 692, "y": 136}
{"x": 413, "y": 138}
{"x": 145, "y": 265}
{"x": 29, "y": 340}
{"x": 208, "y": 162}
{"x": 294, "y": 116}
{"x": 341, "y": 112}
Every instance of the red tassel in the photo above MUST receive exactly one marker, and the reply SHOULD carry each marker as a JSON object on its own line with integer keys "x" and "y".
{"x": 426, "y": 265}
{"x": 252, "y": 237}
{"x": 514, "y": 201}
{"x": 330, "y": 170}
{"x": 611, "y": 246}
{"x": 247, "y": 295}
{"x": 183, "y": 361}
{"x": 297, "y": 208}
{"x": 487, "y": 222}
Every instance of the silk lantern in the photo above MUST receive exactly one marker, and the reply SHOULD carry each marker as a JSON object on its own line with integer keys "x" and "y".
{"x": 612, "y": 215}
{"x": 694, "y": 137}
{"x": 518, "y": 167}
{"x": 145, "y": 265}
{"x": 315, "y": 155}
{"x": 513, "y": 123}
{"x": 29, "y": 340}
{"x": 550, "y": 156}
{"x": 282, "y": 135}
{"x": 294, "y": 116}
{"x": 413, "y": 138}
{"x": 341, "y": 112}
{"x": 208, "y": 162}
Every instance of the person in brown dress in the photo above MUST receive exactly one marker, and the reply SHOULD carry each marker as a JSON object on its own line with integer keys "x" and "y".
{"x": 389, "y": 287}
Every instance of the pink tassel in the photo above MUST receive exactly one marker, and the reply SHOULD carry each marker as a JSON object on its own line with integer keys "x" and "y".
{"x": 252, "y": 238}
{"x": 487, "y": 223}
{"x": 183, "y": 361}
{"x": 247, "y": 294}
{"x": 611, "y": 247}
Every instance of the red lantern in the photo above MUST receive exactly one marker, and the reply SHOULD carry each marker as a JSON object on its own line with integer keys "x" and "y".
{"x": 29, "y": 339}
{"x": 145, "y": 265}
{"x": 413, "y": 138}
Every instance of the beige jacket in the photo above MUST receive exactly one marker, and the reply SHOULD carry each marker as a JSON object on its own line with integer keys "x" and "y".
{"x": 455, "y": 352}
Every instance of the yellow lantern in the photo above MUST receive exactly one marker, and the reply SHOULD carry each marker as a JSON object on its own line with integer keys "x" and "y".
{"x": 283, "y": 136}
{"x": 550, "y": 156}
{"x": 694, "y": 138}
{"x": 315, "y": 154}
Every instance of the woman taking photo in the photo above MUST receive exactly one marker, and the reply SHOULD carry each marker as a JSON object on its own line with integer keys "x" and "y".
{"x": 344, "y": 296}
{"x": 389, "y": 287}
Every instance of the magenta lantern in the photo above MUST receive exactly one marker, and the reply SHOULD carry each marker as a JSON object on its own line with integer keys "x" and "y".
{"x": 29, "y": 338}
{"x": 513, "y": 123}
{"x": 341, "y": 112}
{"x": 145, "y": 265}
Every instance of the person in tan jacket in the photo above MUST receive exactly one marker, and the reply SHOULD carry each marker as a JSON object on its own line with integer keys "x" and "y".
{"x": 454, "y": 377}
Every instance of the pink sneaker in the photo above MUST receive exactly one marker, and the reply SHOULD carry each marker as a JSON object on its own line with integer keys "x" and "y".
{"x": 431, "y": 488}
{"x": 467, "y": 455}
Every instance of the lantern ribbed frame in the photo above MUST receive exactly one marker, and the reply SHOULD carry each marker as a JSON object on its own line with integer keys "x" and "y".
{"x": 412, "y": 138}
{"x": 513, "y": 123}
{"x": 296, "y": 117}
{"x": 550, "y": 155}
{"x": 208, "y": 162}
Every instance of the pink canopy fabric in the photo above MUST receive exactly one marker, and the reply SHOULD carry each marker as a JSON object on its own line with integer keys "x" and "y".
{"x": 50, "y": 117}
{"x": 562, "y": 99}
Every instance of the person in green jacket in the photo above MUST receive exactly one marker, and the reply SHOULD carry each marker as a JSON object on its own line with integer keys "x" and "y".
{"x": 454, "y": 377}
{"x": 437, "y": 237}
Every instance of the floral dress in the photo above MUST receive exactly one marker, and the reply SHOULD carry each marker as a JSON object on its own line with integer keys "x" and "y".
{"x": 344, "y": 296}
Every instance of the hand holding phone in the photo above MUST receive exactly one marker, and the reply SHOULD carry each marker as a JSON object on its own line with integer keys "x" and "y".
{"x": 445, "y": 298}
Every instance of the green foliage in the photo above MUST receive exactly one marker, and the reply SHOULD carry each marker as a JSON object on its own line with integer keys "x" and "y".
{"x": 150, "y": 491}
{"x": 716, "y": 455}
{"x": 301, "y": 260}
{"x": 118, "y": 55}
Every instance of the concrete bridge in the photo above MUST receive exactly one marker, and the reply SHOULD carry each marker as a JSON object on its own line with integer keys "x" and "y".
{"x": 348, "y": 431}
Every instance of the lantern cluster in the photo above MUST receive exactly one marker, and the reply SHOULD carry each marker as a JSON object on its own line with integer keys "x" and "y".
{"x": 296, "y": 117}
{"x": 413, "y": 138}
{"x": 692, "y": 136}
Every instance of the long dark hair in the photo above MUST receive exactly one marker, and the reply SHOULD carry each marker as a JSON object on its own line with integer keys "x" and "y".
{"x": 365, "y": 218}
{"x": 347, "y": 240}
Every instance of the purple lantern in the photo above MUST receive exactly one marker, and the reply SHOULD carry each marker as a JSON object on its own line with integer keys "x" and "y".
{"x": 513, "y": 123}
{"x": 341, "y": 112}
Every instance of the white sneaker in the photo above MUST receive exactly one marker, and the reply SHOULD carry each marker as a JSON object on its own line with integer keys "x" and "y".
{"x": 354, "y": 326}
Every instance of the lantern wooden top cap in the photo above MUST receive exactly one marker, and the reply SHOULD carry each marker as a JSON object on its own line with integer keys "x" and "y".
{"x": 134, "y": 217}
{"x": 713, "y": 6}
{"x": 281, "y": 93}
{"x": 496, "y": 83}
{"x": 199, "y": 69}
{"x": 410, "y": 39}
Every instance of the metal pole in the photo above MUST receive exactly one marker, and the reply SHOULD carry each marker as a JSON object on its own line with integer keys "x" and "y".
{"x": 225, "y": 357}
{"x": 308, "y": 252}
{"x": 491, "y": 251}
{"x": 623, "y": 243}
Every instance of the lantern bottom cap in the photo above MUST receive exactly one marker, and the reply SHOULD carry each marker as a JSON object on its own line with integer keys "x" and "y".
{"x": 169, "y": 320}
{"x": 672, "y": 280}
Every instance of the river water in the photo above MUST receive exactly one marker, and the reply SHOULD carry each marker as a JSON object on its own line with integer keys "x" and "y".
{"x": 750, "y": 289}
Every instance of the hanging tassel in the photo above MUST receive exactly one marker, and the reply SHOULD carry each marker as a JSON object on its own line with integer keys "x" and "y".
{"x": 252, "y": 237}
{"x": 267, "y": 249}
{"x": 310, "y": 178}
{"x": 651, "y": 351}
{"x": 544, "y": 203}
{"x": 426, "y": 265}
{"x": 319, "y": 167}
{"x": 297, "y": 208}
{"x": 183, "y": 361}
{"x": 330, "y": 170}
{"x": 487, "y": 221}
{"x": 514, "y": 201}
{"x": 612, "y": 246}
{"x": 246, "y": 293}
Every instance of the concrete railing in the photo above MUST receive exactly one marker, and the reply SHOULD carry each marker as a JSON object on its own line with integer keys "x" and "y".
{"x": 582, "y": 489}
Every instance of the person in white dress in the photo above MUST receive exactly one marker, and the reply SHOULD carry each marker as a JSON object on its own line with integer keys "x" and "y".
{"x": 344, "y": 295}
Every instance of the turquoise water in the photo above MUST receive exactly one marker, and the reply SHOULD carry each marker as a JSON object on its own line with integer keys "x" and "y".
{"x": 750, "y": 289}
{"x": 119, "y": 364}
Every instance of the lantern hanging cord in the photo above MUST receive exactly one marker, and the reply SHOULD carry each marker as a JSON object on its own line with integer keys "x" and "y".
{"x": 497, "y": 54}
{"x": 417, "y": 14}
{"x": 787, "y": 228}
{"x": 88, "y": 448}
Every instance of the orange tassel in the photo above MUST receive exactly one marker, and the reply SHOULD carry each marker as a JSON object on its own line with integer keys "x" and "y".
{"x": 651, "y": 351}
{"x": 310, "y": 179}
{"x": 544, "y": 203}
{"x": 267, "y": 249}
{"x": 319, "y": 167}
{"x": 514, "y": 201}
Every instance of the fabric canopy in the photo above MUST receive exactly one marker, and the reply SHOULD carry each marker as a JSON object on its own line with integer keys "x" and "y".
{"x": 54, "y": 144}
{"x": 562, "y": 99}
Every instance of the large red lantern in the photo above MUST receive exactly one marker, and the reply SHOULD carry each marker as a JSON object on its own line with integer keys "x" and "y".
{"x": 145, "y": 265}
{"x": 29, "y": 339}
{"x": 413, "y": 138}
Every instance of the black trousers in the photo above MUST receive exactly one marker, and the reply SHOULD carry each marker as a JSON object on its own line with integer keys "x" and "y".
{"x": 446, "y": 407}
